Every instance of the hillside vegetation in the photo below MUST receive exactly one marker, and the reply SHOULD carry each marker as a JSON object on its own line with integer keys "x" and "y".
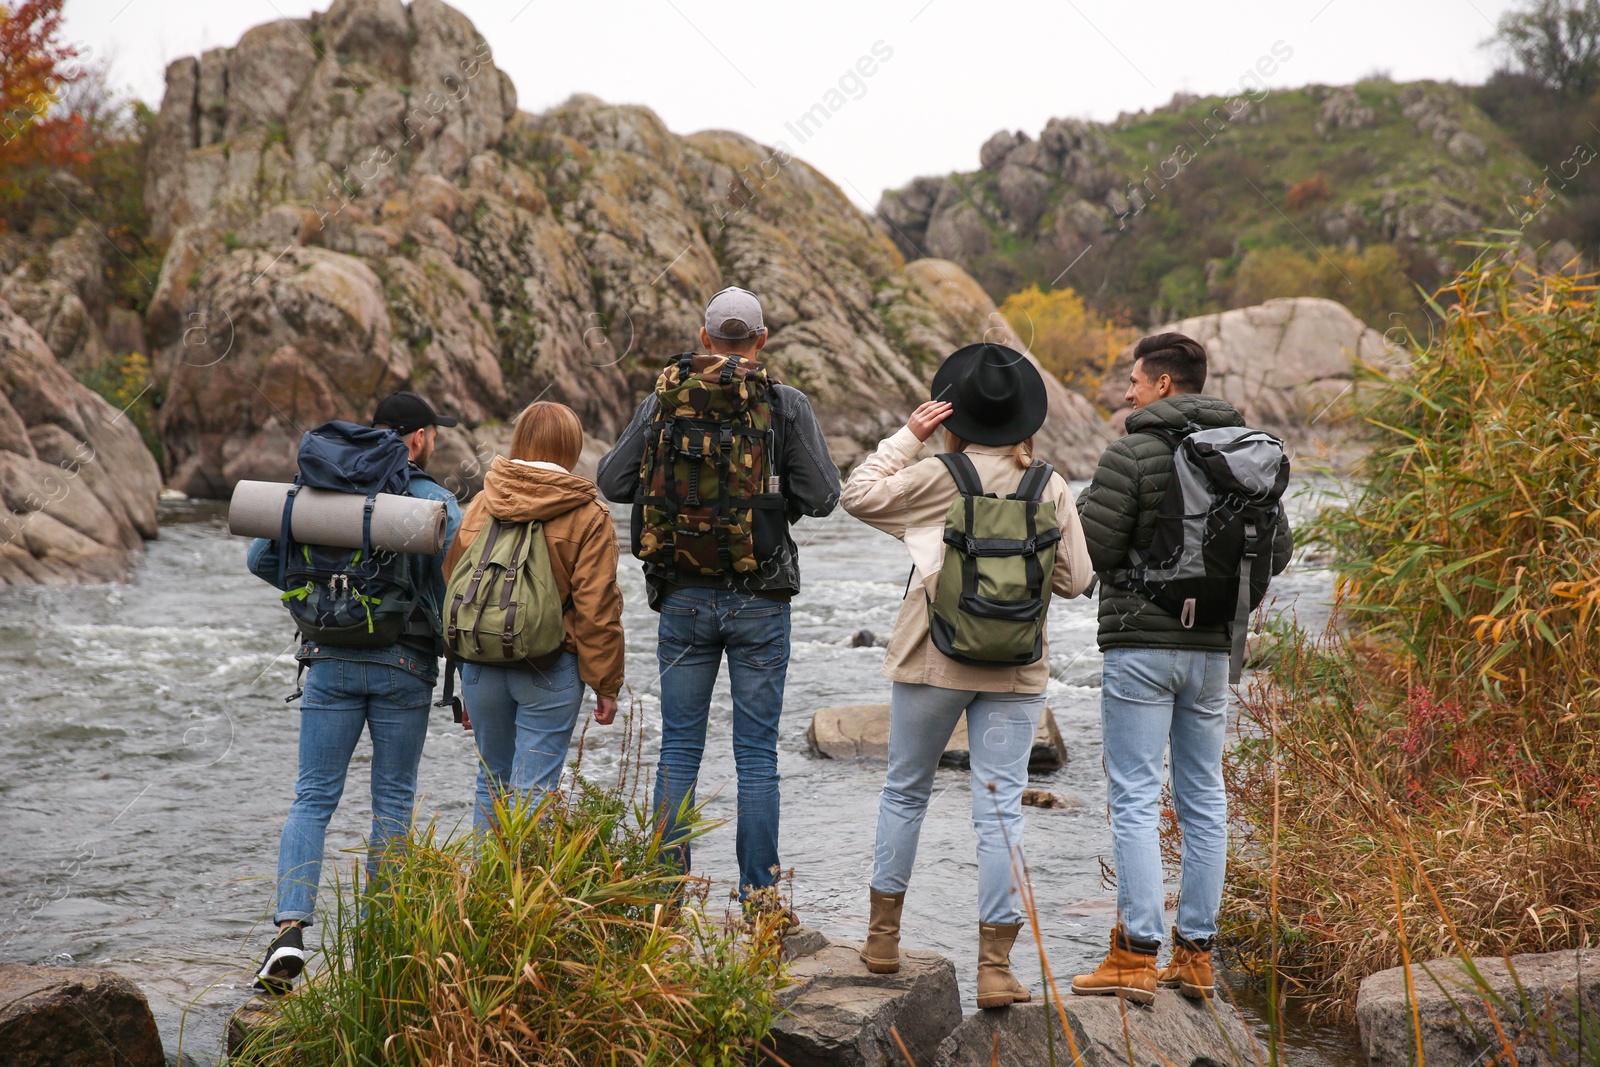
{"x": 1357, "y": 193}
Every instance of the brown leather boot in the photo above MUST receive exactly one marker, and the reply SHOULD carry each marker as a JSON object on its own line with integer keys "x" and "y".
{"x": 881, "y": 952}
{"x": 1190, "y": 970}
{"x": 997, "y": 986}
{"x": 1129, "y": 970}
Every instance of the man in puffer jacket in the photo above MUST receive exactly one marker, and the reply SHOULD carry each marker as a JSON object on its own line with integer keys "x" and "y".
{"x": 1161, "y": 683}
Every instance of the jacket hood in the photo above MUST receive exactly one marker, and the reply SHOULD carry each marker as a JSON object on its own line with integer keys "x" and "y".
{"x": 1176, "y": 412}
{"x": 514, "y": 492}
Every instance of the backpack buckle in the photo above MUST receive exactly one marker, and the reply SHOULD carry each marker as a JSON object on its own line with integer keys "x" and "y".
{"x": 339, "y": 583}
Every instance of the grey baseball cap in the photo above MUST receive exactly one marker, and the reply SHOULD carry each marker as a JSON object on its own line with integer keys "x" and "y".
{"x": 734, "y": 315}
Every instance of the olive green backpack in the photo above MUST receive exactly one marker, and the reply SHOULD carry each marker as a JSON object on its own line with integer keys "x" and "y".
{"x": 501, "y": 605}
{"x": 992, "y": 599}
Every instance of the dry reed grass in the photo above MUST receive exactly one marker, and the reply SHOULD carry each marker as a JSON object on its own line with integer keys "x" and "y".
{"x": 1435, "y": 766}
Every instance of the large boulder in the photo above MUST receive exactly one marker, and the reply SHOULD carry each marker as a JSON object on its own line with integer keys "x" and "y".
{"x": 1289, "y": 365}
{"x": 861, "y": 731}
{"x": 839, "y": 1014}
{"x": 1546, "y": 1005}
{"x": 78, "y": 484}
{"x": 354, "y": 205}
{"x": 74, "y": 1017}
{"x": 1172, "y": 1032}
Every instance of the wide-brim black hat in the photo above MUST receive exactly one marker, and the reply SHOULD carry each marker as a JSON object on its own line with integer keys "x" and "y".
{"x": 997, "y": 394}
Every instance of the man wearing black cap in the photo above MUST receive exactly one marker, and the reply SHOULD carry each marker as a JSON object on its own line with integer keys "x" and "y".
{"x": 386, "y": 691}
{"x": 743, "y": 613}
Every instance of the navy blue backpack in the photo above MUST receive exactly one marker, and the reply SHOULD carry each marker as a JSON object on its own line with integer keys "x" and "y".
{"x": 351, "y": 598}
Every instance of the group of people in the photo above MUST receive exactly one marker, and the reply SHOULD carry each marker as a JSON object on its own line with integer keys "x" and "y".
{"x": 718, "y": 463}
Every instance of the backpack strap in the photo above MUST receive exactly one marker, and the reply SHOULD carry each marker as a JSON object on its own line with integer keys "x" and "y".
{"x": 959, "y": 464}
{"x": 1241, "y": 613}
{"x": 513, "y": 569}
{"x": 1029, "y": 490}
{"x": 284, "y": 538}
{"x": 1034, "y": 480}
{"x": 449, "y": 698}
{"x": 1172, "y": 437}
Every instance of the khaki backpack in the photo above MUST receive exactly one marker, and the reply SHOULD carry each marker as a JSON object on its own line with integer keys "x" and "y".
{"x": 992, "y": 599}
{"x": 501, "y": 605}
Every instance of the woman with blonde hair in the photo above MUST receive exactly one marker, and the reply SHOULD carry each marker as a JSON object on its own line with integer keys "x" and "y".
{"x": 523, "y": 715}
{"x": 944, "y": 656}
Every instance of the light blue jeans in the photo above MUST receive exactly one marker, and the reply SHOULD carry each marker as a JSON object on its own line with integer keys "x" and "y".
{"x": 522, "y": 719}
{"x": 1148, "y": 698}
{"x": 699, "y": 626}
{"x": 341, "y": 698}
{"x": 1000, "y": 729}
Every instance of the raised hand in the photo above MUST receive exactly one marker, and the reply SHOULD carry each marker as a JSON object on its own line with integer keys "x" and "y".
{"x": 927, "y": 418}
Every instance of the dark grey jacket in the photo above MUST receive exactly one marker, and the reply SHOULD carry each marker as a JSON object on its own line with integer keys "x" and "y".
{"x": 807, "y": 476}
{"x": 1118, "y": 510}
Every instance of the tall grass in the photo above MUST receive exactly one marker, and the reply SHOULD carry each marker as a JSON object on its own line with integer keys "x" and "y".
{"x": 559, "y": 939}
{"x": 1433, "y": 766}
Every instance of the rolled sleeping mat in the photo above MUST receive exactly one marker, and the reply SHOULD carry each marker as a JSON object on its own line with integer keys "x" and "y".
{"x": 324, "y": 517}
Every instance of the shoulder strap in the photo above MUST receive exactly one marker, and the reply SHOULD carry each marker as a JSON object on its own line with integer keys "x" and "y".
{"x": 1170, "y": 436}
{"x": 285, "y": 538}
{"x": 964, "y": 473}
{"x": 1034, "y": 479}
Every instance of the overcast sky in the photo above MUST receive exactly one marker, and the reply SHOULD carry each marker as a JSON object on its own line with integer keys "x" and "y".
{"x": 956, "y": 71}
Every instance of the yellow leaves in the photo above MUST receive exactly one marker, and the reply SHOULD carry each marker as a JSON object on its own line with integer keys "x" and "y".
{"x": 1066, "y": 336}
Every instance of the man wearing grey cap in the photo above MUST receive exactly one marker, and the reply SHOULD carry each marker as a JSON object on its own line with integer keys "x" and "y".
{"x": 737, "y": 600}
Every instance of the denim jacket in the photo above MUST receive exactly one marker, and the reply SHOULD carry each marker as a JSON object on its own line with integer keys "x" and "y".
{"x": 263, "y": 563}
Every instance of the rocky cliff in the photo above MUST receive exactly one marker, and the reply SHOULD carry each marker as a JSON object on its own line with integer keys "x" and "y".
{"x": 1151, "y": 216}
{"x": 354, "y": 204}
{"x": 78, "y": 484}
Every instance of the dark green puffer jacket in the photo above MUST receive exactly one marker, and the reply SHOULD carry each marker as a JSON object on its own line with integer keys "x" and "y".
{"x": 1119, "y": 509}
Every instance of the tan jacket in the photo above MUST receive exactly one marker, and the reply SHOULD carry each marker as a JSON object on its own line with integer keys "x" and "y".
{"x": 583, "y": 556}
{"x": 896, "y": 494}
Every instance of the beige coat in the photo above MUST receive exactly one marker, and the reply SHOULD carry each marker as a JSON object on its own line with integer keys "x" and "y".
{"x": 890, "y": 490}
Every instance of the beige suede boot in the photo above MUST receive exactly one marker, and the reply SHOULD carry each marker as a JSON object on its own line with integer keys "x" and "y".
{"x": 997, "y": 987}
{"x": 881, "y": 952}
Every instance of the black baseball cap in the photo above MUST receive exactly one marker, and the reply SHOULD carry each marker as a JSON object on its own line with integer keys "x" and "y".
{"x": 408, "y": 413}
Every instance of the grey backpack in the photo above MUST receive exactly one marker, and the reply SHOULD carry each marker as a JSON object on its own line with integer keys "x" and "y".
{"x": 1210, "y": 560}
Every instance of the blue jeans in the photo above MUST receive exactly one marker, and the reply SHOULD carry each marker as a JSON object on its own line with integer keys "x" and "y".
{"x": 522, "y": 720}
{"x": 1000, "y": 729}
{"x": 1148, "y": 698}
{"x": 341, "y": 697}
{"x": 697, "y": 626}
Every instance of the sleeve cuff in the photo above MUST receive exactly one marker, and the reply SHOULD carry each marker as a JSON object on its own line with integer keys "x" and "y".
{"x": 905, "y": 443}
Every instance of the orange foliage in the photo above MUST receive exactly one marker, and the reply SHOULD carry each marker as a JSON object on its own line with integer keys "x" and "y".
{"x": 34, "y": 65}
{"x": 1312, "y": 190}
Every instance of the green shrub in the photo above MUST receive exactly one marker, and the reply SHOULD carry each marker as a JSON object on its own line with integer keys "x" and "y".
{"x": 558, "y": 939}
{"x": 1425, "y": 781}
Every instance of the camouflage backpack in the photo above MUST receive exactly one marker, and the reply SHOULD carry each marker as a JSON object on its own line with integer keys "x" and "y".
{"x": 709, "y": 500}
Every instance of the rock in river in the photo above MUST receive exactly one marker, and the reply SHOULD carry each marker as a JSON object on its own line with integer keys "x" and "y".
{"x": 838, "y": 1014}
{"x": 1172, "y": 1032}
{"x": 861, "y": 731}
{"x": 74, "y": 1017}
{"x": 1545, "y": 1002}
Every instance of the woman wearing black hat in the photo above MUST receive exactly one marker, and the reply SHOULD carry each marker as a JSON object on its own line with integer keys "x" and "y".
{"x": 990, "y": 400}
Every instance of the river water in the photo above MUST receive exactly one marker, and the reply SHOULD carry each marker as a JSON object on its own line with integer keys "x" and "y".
{"x": 150, "y": 759}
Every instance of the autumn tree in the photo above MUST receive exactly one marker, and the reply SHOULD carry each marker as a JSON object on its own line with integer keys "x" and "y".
{"x": 1371, "y": 282}
{"x": 34, "y": 68}
{"x": 1068, "y": 339}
